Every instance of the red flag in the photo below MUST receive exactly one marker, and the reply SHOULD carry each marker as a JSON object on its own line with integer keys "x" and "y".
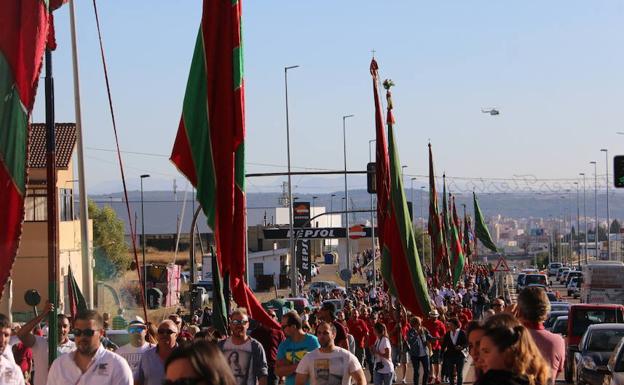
{"x": 23, "y": 32}
{"x": 400, "y": 264}
{"x": 209, "y": 147}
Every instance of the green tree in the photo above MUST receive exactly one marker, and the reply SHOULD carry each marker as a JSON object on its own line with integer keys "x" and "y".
{"x": 109, "y": 247}
{"x": 418, "y": 234}
{"x": 615, "y": 227}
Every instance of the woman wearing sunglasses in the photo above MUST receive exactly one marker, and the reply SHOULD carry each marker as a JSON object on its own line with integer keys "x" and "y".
{"x": 200, "y": 363}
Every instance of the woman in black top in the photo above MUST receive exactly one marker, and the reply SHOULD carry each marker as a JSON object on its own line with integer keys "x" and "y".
{"x": 454, "y": 344}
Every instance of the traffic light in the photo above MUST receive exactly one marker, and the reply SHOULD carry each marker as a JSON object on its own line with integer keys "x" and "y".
{"x": 618, "y": 171}
{"x": 371, "y": 178}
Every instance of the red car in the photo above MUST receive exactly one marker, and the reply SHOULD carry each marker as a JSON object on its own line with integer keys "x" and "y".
{"x": 580, "y": 317}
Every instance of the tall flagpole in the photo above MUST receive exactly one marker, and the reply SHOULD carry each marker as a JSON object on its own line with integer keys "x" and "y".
{"x": 52, "y": 209}
{"x": 87, "y": 264}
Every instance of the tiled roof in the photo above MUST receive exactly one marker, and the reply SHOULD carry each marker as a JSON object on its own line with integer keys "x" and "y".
{"x": 65, "y": 141}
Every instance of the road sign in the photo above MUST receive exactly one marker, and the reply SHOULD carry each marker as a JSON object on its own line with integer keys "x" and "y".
{"x": 356, "y": 232}
{"x": 346, "y": 275}
{"x": 501, "y": 265}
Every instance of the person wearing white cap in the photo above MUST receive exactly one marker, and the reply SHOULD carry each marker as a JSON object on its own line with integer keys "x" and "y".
{"x": 133, "y": 351}
{"x": 437, "y": 330}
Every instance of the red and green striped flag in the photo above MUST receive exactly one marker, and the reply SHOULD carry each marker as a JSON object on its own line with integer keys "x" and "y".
{"x": 382, "y": 170}
{"x": 457, "y": 250}
{"x": 440, "y": 268}
{"x": 399, "y": 254}
{"x": 23, "y": 34}
{"x": 209, "y": 148}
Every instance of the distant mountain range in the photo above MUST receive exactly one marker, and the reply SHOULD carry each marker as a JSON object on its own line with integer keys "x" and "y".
{"x": 163, "y": 208}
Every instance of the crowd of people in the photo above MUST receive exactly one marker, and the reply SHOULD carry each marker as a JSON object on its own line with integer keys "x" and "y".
{"x": 372, "y": 339}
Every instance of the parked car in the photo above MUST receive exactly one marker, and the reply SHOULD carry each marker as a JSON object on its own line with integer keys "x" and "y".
{"x": 322, "y": 286}
{"x": 564, "y": 276}
{"x": 560, "y": 273}
{"x": 559, "y": 306}
{"x": 552, "y": 317}
{"x": 299, "y": 303}
{"x": 119, "y": 337}
{"x": 573, "y": 274}
{"x": 614, "y": 373}
{"x": 553, "y": 268}
{"x": 536, "y": 279}
{"x": 574, "y": 286}
{"x": 520, "y": 281}
{"x": 580, "y": 317}
{"x": 560, "y": 325}
{"x": 594, "y": 352}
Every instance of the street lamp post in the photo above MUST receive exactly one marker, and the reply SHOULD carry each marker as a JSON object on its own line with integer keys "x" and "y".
{"x": 344, "y": 138}
{"x": 143, "y": 239}
{"x": 578, "y": 225}
{"x": 331, "y": 210}
{"x": 606, "y": 151}
{"x": 584, "y": 217}
{"x": 412, "y": 199}
{"x": 293, "y": 269}
{"x": 372, "y": 203}
{"x": 314, "y": 198}
{"x": 595, "y": 206}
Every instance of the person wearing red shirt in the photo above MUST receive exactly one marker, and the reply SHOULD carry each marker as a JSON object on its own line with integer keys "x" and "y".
{"x": 437, "y": 330}
{"x": 359, "y": 331}
{"x": 371, "y": 340}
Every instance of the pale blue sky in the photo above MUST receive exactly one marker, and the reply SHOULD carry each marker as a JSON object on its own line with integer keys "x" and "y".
{"x": 553, "y": 68}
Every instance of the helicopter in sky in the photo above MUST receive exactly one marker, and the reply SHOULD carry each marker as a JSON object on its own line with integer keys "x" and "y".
{"x": 491, "y": 111}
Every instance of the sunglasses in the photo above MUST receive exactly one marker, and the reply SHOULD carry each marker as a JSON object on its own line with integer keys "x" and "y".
{"x": 183, "y": 381}
{"x": 83, "y": 332}
{"x": 497, "y": 305}
{"x": 135, "y": 330}
{"x": 166, "y": 331}
{"x": 239, "y": 322}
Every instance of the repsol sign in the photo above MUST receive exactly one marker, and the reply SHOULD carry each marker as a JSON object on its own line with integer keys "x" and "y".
{"x": 306, "y": 233}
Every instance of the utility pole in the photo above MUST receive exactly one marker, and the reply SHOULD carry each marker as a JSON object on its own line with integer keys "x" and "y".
{"x": 344, "y": 138}
{"x": 293, "y": 268}
{"x": 584, "y": 216}
{"x": 596, "y": 207}
{"x": 606, "y": 151}
{"x": 372, "y": 203}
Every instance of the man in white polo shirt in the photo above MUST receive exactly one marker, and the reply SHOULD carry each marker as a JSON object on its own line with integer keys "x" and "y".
{"x": 10, "y": 373}
{"x": 90, "y": 363}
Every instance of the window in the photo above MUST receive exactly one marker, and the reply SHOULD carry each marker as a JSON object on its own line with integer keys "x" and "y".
{"x": 35, "y": 206}
{"x": 258, "y": 269}
{"x": 66, "y": 204}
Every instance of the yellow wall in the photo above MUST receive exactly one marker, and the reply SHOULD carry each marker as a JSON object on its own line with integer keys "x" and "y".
{"x": 30, "y": 270}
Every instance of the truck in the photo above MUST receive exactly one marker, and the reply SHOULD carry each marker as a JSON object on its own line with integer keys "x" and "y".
{"x": 603, "y": 282}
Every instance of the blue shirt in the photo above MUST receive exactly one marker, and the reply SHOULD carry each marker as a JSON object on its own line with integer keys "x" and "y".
{"x": 294, "y": 352}
{"x": 151, "y": 369}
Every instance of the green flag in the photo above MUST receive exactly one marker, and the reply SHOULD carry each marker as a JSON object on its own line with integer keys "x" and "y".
{"x": 457, "y": 251}
{"x": 481, "y": 230}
